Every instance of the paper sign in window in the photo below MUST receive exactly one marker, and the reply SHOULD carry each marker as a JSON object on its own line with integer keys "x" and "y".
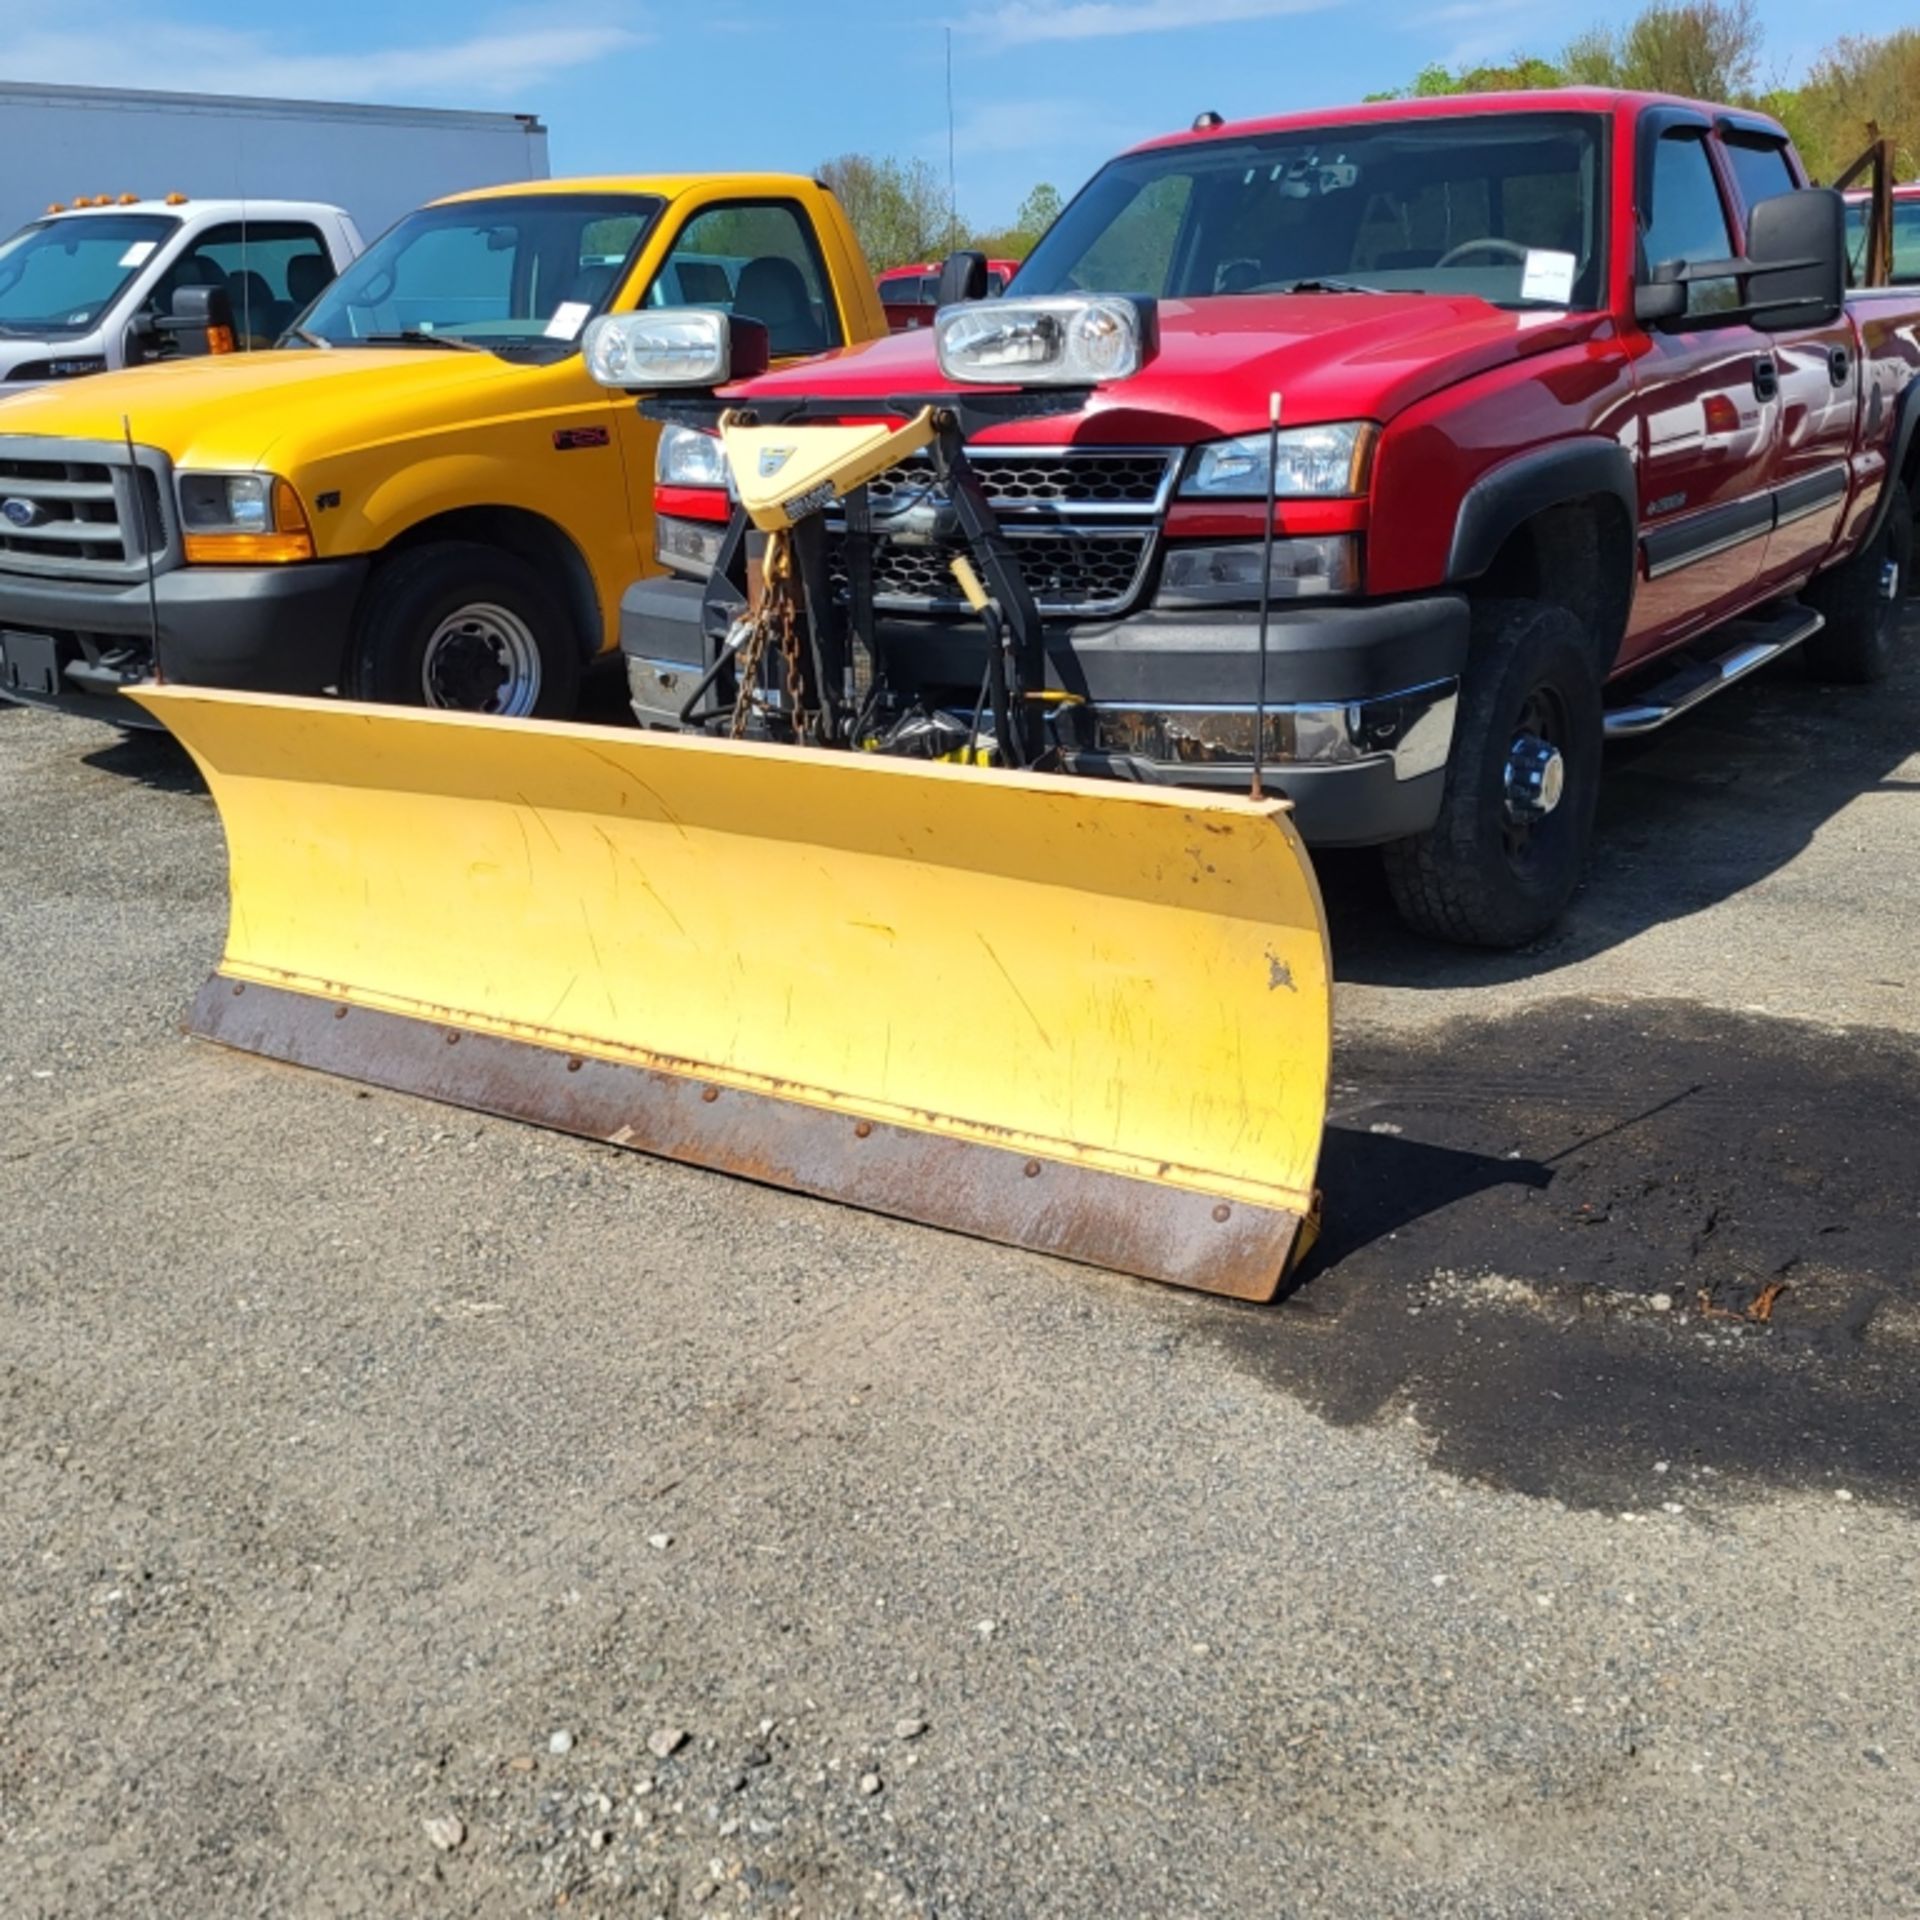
{"x": 568, "y": 318}
{"x": 139, "y": 253}
{"x": 1548, "y": 276}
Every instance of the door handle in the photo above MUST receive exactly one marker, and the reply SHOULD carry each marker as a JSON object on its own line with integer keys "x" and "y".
{"x": 1766, "y": 378}
{"x": 1839, "y": 366}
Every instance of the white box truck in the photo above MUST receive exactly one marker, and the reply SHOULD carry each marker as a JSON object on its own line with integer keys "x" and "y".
{"x": 93, "y": 269}
{"x": 59, "y": 143}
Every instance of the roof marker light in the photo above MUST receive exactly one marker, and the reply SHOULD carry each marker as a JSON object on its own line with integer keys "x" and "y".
{"x": 1206, "y": 122}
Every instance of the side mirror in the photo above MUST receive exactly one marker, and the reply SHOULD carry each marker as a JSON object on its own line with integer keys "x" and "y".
{"x": 963, "y": 276}
{"x": 201, "y": 321}
{"x": 142, "y": 342}
{"x": 1664, "y": 297}
{"x": 1797, "y": 249}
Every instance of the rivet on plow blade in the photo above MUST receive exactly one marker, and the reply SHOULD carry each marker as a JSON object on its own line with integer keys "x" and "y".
{"x": 825, "y": 937}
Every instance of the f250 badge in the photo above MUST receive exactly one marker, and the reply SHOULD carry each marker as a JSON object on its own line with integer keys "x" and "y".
{"x": 23, "y": 513}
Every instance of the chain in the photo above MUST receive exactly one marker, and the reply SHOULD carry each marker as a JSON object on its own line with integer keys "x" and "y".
{"x": 773, "y": 618}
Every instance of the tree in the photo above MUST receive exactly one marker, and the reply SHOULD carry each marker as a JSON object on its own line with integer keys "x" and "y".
{"x": 1039, "y": 210}
{"x": 897, "y": 207}
{"x": 1856, "y": 87}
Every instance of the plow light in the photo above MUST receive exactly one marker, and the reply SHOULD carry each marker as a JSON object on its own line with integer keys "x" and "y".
{"x": 674, "y": 347}
{"x": 1054, "y": 340}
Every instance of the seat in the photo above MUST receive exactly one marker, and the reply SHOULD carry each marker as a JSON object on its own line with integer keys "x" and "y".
{"x": 774, "y": 292}
{"x": 308, "y": 276}
{"x": 704, "y": 283}
{"x": 257, "y": 315}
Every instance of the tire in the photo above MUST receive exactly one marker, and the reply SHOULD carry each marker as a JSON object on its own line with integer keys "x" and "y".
{"x": 1485, "y": 874}
{"x": 465, "y": 627}
{"x": 1863, "y": 601}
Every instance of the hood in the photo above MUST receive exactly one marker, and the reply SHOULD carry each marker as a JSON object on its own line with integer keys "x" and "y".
{"x": 1363, "y": 356}
{"x": 229, "y": 410}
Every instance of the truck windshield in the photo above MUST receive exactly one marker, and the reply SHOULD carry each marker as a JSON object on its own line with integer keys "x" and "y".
{"x": 60, "y": 276}
{"x": 1505, "y": 206}
{"x": 522, "y": 273}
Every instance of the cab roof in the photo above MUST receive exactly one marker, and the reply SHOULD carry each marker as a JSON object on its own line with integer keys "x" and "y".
{"x": 189, "y": 205}
{"x": 667, "y": 186}
{"x": 1611, "y": 101}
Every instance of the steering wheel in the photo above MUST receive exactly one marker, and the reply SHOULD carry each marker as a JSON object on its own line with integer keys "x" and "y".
{"x": 1491, "y": 244}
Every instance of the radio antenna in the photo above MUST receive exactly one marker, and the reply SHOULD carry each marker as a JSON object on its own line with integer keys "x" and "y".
{"x": 1266, "y": 589}
{"x": 139, "y": 499}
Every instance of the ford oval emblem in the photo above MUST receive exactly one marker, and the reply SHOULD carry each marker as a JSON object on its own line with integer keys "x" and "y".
{"x": 23, "y": 513}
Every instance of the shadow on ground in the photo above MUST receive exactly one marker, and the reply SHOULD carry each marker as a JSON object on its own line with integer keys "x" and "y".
{"x": 1689, "y": 817}
{"x": 1654, "y": 1233}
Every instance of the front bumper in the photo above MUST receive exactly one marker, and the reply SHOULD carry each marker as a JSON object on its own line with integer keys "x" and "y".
{"x": 1360, "y": 710}
{"x": 260, "y": 629}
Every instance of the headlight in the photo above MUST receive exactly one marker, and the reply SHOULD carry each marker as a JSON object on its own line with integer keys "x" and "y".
{"x": 242, "y": 517}
{"x": 674, "y": 347}
{"x": 1303, "y": 568}
{"x": 690, "y": 458}
{"x": 1060, "y": 340}
{"x": 1315, "y": 463}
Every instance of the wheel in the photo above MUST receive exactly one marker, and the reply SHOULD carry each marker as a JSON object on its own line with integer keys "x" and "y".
{"x": 1504, "y": 856}
{"x": 1863, "y": 601}
{"x": 467, "y": 627}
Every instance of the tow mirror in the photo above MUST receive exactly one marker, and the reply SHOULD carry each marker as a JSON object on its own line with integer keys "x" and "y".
{"x": 1664, "y": 297}
{"x": 1797, "y": 248}
{"x": 201, "y": 321}
{"x": 963, "y": 276}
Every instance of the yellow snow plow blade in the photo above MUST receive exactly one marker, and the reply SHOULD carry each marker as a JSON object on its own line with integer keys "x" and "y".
{"x": 1082, "y": 1017}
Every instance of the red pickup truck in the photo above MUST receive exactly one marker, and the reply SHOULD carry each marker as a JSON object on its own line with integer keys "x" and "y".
{"x": 1576, "y": 428}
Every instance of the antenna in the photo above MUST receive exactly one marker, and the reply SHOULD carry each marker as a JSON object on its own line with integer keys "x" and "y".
{"x": 953, "y": 198}
{"x": 1266, "y": 588}
{"x": 146, "y": 546}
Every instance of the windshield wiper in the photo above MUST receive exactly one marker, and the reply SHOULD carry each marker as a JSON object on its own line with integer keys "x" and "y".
{"x": 1319, "y": 285}
{"x": 419, "y": 337}
{"x": 309, "y": 339}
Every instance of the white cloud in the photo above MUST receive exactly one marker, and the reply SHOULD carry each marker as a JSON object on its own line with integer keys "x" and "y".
{"x": 1017, "y": 25}
{"x": 94, "y": 49}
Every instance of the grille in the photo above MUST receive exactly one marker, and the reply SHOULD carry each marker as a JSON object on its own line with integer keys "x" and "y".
{"x": 76, "y": 516}
{"x": 1083, "y": 522}
{"x": 1073, "y": 481}
{"x": 1068, "y": 572}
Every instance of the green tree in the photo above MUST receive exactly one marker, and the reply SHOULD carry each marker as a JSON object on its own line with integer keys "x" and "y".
{"x": 1860, "y": 88}
{"x": 898, "y": 208}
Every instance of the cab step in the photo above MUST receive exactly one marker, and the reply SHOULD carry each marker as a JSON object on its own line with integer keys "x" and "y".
{"x": 1742, "y": 647}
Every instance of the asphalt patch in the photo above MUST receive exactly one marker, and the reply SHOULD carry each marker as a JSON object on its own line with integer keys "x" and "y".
{"x": 1586, "y": 1238}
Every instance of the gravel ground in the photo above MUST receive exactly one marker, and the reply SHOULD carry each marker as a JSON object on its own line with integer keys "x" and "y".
{"x": 405, "y": 1511}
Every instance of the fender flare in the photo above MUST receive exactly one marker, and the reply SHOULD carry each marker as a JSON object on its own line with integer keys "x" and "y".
{"x": 1512, "y": 493}
{"x": 1906, "y": 422}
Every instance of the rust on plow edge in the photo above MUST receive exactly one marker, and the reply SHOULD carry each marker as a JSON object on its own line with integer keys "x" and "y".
{"x": 1103, "y": 1219}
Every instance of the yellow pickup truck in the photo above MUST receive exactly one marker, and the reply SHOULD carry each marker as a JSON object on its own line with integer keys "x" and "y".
{"x": 424, "y": 498}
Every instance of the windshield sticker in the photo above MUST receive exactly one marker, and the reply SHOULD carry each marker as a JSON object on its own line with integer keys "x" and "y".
{"x": 1549, "y": 276}
{"x": 568, "y": 318}
{"x": 139, "y": 253}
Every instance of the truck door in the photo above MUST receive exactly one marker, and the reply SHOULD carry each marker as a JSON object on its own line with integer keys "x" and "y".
{"x": 1708, "y": 403}
{"x": 1819, "y": 381}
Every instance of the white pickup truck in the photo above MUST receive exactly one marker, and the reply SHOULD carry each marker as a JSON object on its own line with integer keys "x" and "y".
{"x": 83, "y": 289}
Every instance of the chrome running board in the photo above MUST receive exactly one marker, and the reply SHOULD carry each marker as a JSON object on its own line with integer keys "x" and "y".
{"x": 1754, "y": 643}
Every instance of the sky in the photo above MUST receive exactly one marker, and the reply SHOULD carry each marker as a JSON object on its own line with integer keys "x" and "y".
{"x": 1042, "y": 89}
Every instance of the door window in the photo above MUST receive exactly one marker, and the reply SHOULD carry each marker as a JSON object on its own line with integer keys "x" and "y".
{"x": 269, "y": 269}
{"x": 1687, "y": 220}
{"x": 758, "y": 260}
{"x": 1760, "y": 170}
